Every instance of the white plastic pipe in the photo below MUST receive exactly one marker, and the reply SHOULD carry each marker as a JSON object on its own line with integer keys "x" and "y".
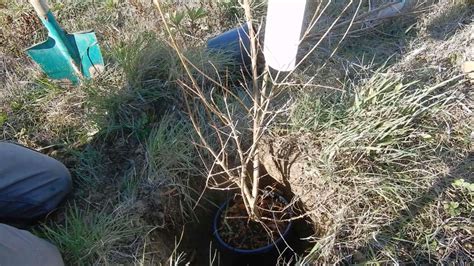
{"x": 282, "y": 33}
{"x": 391, "y": 10}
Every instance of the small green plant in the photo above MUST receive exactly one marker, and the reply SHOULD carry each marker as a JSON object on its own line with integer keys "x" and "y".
{"x": 187, "y": 22}
{"x": 176, "y": 19}
{"x": 3, "y": 118}
{"x": 461, "y": 198}
{"x": 194, "y": 15}
{"x": 16, "y": 105}
{"x": 111, "y": 4}
{"x": 463, "y": 185}
{"x": 452, "y": 208}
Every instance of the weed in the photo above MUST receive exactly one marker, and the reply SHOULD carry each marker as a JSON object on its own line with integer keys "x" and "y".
{"x": 111, "y": 4}
{"x": 195, "y": 14}
{"x": 176, "y": 19}
{"x": 3, "y": 118}
{"x": 462, "y": 199}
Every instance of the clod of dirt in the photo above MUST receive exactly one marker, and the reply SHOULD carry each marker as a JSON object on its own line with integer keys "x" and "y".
{"x": 285, "y": 159}
{"x": 151, "y": 207}
{"x": 281, "y": 157}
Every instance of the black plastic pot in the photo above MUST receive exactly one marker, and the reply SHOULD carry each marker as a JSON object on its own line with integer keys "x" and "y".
{"x": 259, "y": 256}
{"x": 235, "y": 43}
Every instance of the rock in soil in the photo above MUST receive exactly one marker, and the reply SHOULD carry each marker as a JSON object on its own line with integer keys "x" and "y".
{"x": 468, "y": 69}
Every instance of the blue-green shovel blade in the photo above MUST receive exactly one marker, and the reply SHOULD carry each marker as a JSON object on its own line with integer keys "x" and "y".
{"x": 88, "y": 49}
{"x": 49, "y": 56}
{"x": 82, "y": 59}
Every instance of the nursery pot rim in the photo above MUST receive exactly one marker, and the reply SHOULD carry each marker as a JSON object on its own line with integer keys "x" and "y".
{"x": 263, "y": 249}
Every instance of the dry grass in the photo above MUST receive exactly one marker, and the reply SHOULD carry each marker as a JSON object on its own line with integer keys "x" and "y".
{"x": 383, "y": 154}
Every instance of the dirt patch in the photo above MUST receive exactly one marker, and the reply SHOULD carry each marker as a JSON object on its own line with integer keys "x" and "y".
{"x": 239, "y": 231}
{"x": 286, "y": 159}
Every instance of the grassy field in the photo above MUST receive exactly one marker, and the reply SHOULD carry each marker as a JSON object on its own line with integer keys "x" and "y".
{"x": 379, "y": 132}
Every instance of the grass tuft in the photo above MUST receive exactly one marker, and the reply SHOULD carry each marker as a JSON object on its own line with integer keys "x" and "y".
{"x": 89, "y": 166}
{"x": 87, "y": 236}
{"x": 171, "y": 161}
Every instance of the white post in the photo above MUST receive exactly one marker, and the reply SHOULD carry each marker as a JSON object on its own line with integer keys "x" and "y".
{"x": 282, "y": 33}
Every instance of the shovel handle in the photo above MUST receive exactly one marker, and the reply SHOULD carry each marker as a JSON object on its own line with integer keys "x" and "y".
{"x": 41, "y": 7}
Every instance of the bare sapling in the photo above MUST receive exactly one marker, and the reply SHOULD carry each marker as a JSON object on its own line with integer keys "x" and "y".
{"x": 230, "y": 151}
{"x": 222, "y": 117}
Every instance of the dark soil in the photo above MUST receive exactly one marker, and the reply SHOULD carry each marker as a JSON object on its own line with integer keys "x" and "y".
{"x": 238, "y": 230}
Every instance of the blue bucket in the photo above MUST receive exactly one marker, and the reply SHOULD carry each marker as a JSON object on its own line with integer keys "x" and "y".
{"x": 262, "y": 250}
{"x": 235, "y": 43}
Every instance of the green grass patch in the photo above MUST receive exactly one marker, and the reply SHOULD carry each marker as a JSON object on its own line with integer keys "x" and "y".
{"x": 172, "y": 160}
{"x": 170, "y": 152}
{"x": 88, "y": 237}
